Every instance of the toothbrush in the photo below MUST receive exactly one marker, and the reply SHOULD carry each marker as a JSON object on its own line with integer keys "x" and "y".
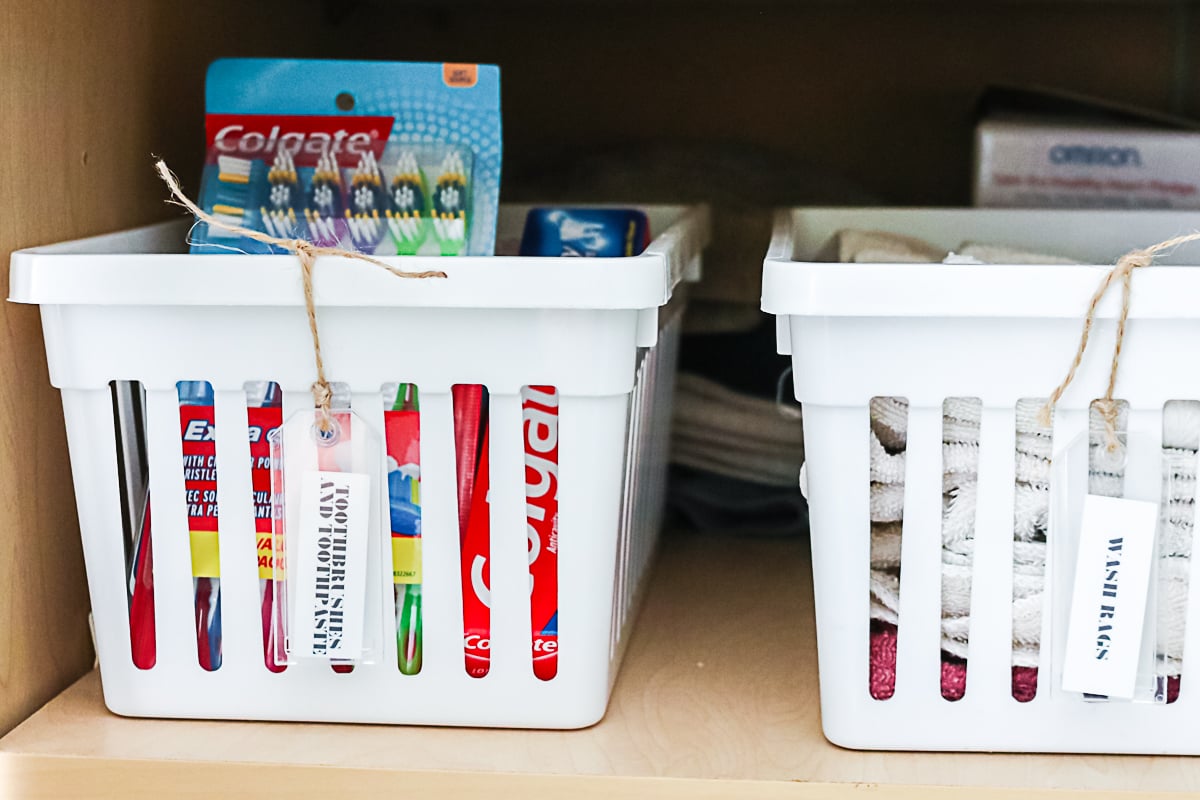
{"x": 141, "y": 596}
{"x": 324, "y": 205}
{"x": 449, "y": 205}
{"x": 367, "y": 197}
{"x": 233, "y": 175}
{"x": 279, "y": 219}
{"x": 404, "y": 221}
{"x": 404, "y": 481}
{"x": 195, "y": 407}
{"x": 231, "y": 169}
{"x": 265, "y": 409}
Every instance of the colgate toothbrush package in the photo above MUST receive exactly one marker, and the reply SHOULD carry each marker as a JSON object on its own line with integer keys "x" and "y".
{"x": 382, "y": 158}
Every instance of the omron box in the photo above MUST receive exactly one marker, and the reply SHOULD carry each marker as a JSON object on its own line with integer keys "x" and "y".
{"x": 1041, "y": 149}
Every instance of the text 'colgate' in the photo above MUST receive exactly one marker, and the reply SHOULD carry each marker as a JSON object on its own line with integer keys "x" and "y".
{"x": 347, "y": 138}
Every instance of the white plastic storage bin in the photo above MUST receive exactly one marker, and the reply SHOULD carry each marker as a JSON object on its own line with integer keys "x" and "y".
{"x": 134, "y": 306}
{"x": 928, "y": 332}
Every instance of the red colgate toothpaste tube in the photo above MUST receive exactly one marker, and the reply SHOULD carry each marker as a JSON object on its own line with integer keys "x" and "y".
{"x": 476, "y": 547}
{"x": 539, "y": 411}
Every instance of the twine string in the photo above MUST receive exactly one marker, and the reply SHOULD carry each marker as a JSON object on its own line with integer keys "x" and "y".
{"x": 1123, "y": 271}
{"x": 307, "y": 253}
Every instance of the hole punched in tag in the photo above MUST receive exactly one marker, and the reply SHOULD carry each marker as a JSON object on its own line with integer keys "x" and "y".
{"x": 328, "y": 436}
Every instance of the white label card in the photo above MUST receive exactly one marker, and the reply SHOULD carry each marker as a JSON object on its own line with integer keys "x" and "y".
{"x": 1108, "y": 602}
{"x": 330, "y": 552}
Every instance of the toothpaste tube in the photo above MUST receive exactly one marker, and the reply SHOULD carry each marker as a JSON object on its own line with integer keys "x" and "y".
{"x": 589, "y": 232}
{"x": 471, "y": 434}
{"x": 595, "y": 233}
{"x": 539, "y": 410}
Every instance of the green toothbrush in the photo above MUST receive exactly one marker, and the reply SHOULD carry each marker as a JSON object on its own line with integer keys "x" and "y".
{"x": 405, "y": 221}
{"x": 408, "y": 595}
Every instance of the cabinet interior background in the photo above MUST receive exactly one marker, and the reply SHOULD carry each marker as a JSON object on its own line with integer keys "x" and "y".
{"x": 747, "y": 105}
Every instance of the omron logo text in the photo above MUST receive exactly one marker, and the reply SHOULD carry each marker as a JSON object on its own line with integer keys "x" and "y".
{"x": 1084, "y": 155}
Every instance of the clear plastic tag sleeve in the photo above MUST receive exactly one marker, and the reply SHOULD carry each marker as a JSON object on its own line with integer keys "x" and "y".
{"x": 327, "y": 489}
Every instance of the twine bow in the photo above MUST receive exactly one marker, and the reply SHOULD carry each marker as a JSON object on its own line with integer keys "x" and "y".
{"x": 1123, "y": 271}
{"x": 307, "y": 253}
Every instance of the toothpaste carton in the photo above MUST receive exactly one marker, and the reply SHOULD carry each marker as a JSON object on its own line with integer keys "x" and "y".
{"x": 588, "y": 232}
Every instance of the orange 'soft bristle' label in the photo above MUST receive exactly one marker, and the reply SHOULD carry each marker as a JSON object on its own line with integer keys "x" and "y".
{"x": 460, "y": 76}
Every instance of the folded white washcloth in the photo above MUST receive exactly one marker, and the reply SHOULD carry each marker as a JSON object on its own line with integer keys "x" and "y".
{"x": 960, "y": 454}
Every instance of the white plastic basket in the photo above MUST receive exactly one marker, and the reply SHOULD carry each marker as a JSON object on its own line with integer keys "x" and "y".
{"x": 133, "y": 306}
{"x": 927, "y": 332}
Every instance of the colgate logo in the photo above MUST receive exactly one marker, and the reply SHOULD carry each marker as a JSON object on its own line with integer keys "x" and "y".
{"x": 305, "y": 137}
{"x": 540, "y": 410}
{"x": 473, "y": 641}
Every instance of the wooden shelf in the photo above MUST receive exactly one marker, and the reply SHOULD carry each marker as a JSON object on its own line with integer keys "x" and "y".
{"x": 717, "y": 698}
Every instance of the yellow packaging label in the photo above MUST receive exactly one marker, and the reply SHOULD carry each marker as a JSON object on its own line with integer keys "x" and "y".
{"x": 406, "y": 559}
{"x": 267, "y": 555}
{"x": 206, "y": 555}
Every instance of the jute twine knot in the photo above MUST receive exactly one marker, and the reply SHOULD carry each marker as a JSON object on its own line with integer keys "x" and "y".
{"x": 307, "y": 253}
{"x": 1123, "y": 271}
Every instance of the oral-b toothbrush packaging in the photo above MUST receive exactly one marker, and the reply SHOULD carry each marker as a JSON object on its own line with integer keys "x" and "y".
{"x": 383, "y": 158}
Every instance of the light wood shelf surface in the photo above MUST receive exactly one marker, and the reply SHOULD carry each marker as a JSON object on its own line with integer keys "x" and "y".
{"x": 717, "y": 698}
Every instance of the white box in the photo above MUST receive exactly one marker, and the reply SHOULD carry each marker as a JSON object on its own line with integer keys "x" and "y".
{"x": 1046, "y": 150}
{"x": 134, "y": 306}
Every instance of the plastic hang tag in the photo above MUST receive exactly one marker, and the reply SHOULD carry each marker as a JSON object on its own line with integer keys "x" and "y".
{"x": 1105, "y": 525}
{"x": 326, "y": 525}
